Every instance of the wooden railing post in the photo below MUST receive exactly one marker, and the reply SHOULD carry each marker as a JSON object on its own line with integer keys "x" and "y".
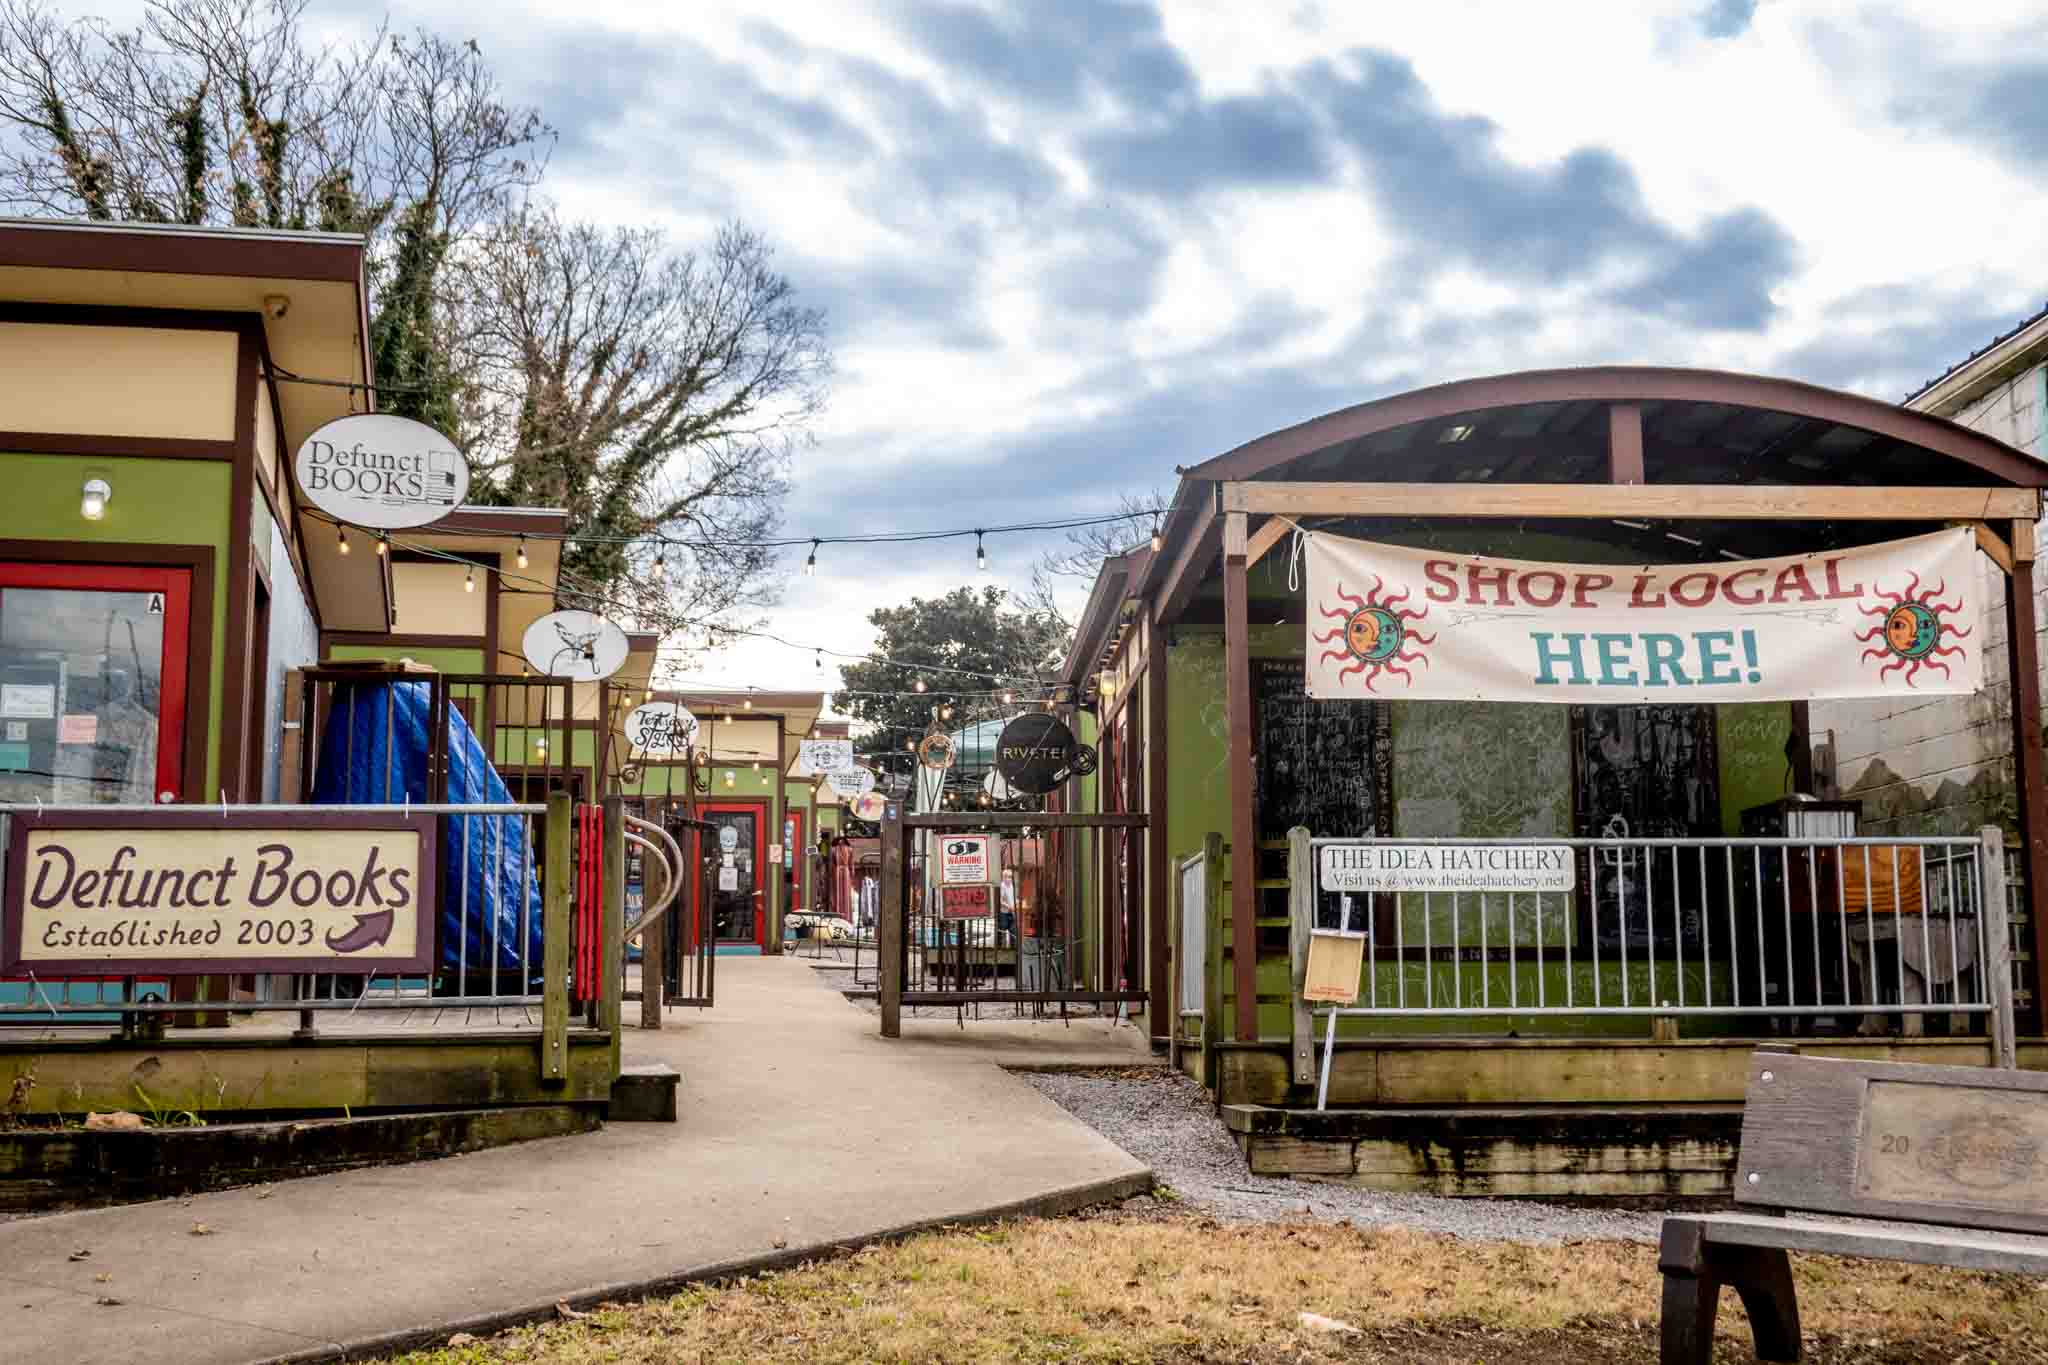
{"x": 555, "y": 917}
{"x": 1301, "y": 918}
{"x": 889, "y": 922}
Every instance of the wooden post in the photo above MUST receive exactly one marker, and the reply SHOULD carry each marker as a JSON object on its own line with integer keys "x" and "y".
{"x": 889, "y": 922}
{"x": 1213, "y": 849}
{"x": 2030, "y": 776}
{"x": 1165, "y": 1006}
{"x": 653, "y": 941}
{"x": 1301, "y": 918}
{"x": 554, "y": 921}
{"x": 613, "y": 948}
{"x": 1244, "y": 848}
{"x": 1998, "y": 946}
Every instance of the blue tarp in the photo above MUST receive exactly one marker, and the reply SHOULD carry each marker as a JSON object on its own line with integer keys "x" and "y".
{"x": 374, "y": 751}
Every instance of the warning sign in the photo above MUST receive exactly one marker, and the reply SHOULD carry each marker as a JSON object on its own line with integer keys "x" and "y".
{"x": 964, "y": 861}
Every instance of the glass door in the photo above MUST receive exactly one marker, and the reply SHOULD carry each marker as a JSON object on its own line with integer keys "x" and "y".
{"x": 92, "y": 683}
{"x": 736, "y": 899}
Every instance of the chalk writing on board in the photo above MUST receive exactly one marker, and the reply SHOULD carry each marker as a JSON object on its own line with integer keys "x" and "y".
{"x": 1326, "y": 765}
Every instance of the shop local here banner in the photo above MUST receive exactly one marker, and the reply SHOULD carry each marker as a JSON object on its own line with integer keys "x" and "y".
{"x": 1901, "y": 618}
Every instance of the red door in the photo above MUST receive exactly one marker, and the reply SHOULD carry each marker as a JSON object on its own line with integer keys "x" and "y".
{"x": 739, "y": 890}
{"x": 93, "y": 683}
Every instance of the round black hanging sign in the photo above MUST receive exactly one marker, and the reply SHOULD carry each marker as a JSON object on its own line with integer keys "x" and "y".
{"x": 1037, "y": 752}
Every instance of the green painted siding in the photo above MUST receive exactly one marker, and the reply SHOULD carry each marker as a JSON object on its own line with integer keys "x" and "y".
{"x": 458, "y": 661}
{"x": 155, "y": 502}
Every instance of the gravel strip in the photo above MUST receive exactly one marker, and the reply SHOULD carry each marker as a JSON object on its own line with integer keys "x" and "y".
{"x": 1166, "y": 1121}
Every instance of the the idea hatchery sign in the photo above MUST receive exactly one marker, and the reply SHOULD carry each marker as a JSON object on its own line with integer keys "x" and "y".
{"x": 377, "y": 470}
{"x": 218, "y": 891}
{"x": 1363, "y": 868}
{"x": 1897, "y": 619}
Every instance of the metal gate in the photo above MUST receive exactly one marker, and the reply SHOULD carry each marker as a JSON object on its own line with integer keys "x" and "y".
{"x": 673, "y": 931}
{"x": 1054, "y": 925}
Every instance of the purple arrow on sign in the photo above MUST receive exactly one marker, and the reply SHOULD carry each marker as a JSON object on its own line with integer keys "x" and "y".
{"x": 371, "y": 930}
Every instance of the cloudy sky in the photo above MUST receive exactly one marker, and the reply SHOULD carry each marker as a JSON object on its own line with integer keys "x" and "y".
{"x": 1066, "y": 245}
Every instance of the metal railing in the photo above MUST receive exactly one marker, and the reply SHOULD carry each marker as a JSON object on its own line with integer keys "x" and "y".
{"x": 489, "y": 942}
{"x": 1785, "y": 929}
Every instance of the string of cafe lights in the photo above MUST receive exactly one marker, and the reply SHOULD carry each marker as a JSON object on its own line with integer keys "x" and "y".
{"x": 508, "y": 580}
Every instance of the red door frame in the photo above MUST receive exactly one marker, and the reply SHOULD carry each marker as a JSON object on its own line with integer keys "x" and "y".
{"x": 762, "y": 814}
{"x": 176, "y": 586}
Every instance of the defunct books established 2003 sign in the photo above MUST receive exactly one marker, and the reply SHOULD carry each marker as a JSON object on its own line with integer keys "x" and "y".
{"x": 132, "y": 892}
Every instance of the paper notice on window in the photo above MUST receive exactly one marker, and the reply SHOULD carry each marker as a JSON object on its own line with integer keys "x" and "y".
{"x": 728, "y": 879}
{"x": 28, "y": 701}
{"x": 76, "y": 729}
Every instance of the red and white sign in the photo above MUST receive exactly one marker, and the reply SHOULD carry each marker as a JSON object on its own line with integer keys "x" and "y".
{"x": 966, "y": 902}
{"x": 1901, "y": 618}
{"x": 964, "y": 860}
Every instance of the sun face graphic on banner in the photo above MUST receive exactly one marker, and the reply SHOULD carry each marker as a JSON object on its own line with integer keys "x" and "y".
{"x": 1376, "y": 635}
{"x": 1915, "y": 630}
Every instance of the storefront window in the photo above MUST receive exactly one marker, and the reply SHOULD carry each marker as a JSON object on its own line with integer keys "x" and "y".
{"x": 83, "y": 686}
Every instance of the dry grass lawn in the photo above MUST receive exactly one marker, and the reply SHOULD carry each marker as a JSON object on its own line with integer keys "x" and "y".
{"x": 1186, "y": 1289}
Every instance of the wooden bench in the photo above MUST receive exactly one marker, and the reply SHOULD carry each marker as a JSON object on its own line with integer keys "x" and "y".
{"x": 1939, "y": 1165}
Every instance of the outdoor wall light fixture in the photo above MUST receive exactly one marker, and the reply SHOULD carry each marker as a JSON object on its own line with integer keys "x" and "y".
{"x": 728, "y": 777}
{"x": 540, "y": 746}
{"x": 93, "y": 498}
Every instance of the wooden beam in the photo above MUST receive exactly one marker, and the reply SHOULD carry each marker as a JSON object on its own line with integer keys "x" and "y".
{"x": 1164, "y": 1009}
{"x": 891, "y": 945}
{"x": 1656, "y": 502}
{"x": 1625, "y": 444}
{"x": 1192, "y": 560}
{"x": 2030, "y": 772}
{"x": 1270, "y": 533}
{"x": 2023, "y": 539}
{"x": 1244, "y": 847}
{"x": 1996, "y": 549}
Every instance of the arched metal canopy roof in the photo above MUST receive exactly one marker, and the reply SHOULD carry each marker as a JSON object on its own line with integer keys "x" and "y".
{"x": 1702, "y": 426}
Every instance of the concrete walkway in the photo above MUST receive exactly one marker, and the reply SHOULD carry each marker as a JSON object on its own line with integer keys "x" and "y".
{"x": 801, "y": 1129}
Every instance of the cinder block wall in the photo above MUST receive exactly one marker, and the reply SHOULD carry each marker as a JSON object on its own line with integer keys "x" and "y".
{"x": 1943, "y": 765}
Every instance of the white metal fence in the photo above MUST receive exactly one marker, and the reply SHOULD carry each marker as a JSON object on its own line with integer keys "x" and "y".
{"x": 1856, "y": 929}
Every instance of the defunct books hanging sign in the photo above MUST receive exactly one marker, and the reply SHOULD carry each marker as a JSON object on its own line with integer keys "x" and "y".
{"x": 1390, "y": 622}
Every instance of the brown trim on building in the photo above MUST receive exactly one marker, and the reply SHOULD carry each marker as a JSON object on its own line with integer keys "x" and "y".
{"x": 238, "y": 256}
{"x": 480, "y": 643}
{"x": 1627, "y": 384}
{"x": 1164, "y": 1010}
{"x": 141, "y": 447}
{"x": 498, "y": 521}
{"x": 199, "y": 630}
{"x": 235, "y": 684}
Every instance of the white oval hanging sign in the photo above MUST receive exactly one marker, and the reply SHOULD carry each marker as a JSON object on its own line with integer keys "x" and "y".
{"x": 661, "y": 727}
{"x": 851, "y": 782}
{"x": 870, "y": 806}
{"x": 574, "y": 644}
{"x": 385, "y": 472}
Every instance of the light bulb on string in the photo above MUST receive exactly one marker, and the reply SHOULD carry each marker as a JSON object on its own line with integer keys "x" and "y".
{"x": 522, "y": 552}
{"x": 382, "y": 543}
{"x": 917, "y": 686}
{"x": 747, "y": 702}
{"x": 1009, "y": 697}
{"x": 1158, "y": 541}
{"x": 980, "y": 554}
{"x": 811, "y": 564}
{"x": 469, "y": 581}
{"x": 661, "y": 562}
{"x": 341, "y": 538}
{"x": 818, "y": 659}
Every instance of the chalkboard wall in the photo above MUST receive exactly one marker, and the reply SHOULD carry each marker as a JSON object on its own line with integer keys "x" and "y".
{"x": 1327, "y": 765}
